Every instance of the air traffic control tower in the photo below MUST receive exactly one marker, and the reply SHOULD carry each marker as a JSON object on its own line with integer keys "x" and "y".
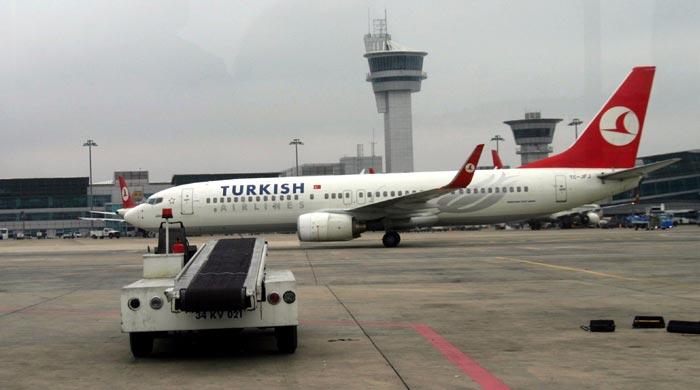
{"x": 395, "y": 72}
{"x": 533, "y": 135}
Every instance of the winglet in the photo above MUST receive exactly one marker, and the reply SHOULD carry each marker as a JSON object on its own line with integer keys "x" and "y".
{"x": 466, "y": 173}
{"x": 497, "y": 163}
{"x": 127, "y": 201}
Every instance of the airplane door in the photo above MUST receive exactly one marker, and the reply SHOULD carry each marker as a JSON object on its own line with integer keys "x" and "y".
{"x": 347, "y": 197}
{"x": 560, "y": 188}
{"x": 360, "y": 196}
{"x": 187, "y": 204}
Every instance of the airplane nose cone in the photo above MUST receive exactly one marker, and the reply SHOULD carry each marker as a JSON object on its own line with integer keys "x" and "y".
{"x": 129, "y": 215}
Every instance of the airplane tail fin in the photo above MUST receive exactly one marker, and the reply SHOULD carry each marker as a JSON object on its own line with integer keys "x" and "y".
{"x": 611, "y": 140}
{"x": 497, "y": 163}
{"x": 127, "y": 201}
{"x": 465, "y": 175}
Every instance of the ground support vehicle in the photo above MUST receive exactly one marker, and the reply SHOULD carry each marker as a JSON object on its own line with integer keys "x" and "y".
{"x": 225, "y": 285}
{"x": 106, "y": 232}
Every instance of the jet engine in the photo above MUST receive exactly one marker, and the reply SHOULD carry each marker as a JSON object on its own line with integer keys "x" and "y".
{"x": 328, "y": 227}
{"x": 590, "y": 218}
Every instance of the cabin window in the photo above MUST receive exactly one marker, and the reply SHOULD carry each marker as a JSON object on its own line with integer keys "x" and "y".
{"x": 311, "y": 196}
{"x": 490, "y": 190}
{"x": 296, "y": 197}
{"x": 215, "y": 200}
{"x": 400, "y": 193}
{"x": 257, "y": 198}
{"x": 469, "y": 190}
{"x": 519, "y": 188}
{"x": 250, "y": 199}
{"x": 483, "y": 190}
{"x": 265, "y": 198}
{"x": 208, "y": 200}
{"x": 235, "y": 199}
{"x": 385, "y": 194}
{"x": 377, "y": 194}
{"x": 497, "y": 189}
{"x": 325, "y": 196}
{"x": 512, "y": 189}
{"x": 360, "y": 194}
{"x": 228, "y": 200}
{"x": 393, "y": 193}
{"x": 333, "y": 195}
{"x": 525, "y": 189}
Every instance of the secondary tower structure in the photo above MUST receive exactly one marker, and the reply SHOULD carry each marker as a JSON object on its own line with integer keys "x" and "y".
{"x": 533, "y": 135}
{"x": 395, "y": 72}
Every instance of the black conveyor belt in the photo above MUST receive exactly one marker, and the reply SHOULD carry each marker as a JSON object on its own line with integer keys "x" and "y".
{"x": 219, "y": 283}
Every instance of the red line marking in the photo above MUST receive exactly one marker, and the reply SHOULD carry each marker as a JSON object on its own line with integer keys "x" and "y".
{"x": 469, "y": 366}
{"x": 479, "y": 374}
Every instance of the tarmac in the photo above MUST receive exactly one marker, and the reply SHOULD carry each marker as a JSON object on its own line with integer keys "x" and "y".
{"x": 452, "y": 310}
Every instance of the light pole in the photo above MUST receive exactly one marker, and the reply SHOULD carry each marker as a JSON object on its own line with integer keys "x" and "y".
{"x": 575, "y": 122}
{"x": 497, "y": 138}
{"x": 296, "y": 142}
{"x": 90, "y": 143}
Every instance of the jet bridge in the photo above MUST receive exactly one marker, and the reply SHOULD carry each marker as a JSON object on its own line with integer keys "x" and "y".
{"x": 225, "y": 285}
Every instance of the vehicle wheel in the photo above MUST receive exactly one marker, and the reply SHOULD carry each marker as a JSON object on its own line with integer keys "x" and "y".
{"x": 141, "y": 344}
{"x": 391, "y": 239}
{"x": 286, "y": 338}
{"x": 94, "y": 237}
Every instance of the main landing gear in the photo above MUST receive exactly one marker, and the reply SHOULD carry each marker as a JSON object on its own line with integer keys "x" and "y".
{"x": 391, "y": 239}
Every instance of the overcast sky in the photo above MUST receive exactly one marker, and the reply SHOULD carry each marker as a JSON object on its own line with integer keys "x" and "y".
{"x": 223, "y": 86}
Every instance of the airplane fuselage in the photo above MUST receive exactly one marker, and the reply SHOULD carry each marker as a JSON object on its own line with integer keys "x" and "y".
{"x": 274, "y": 204}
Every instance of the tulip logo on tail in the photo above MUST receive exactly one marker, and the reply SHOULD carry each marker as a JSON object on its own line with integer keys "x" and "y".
{"x": 619, "y": 126}
{"x": 125, "y": 194}
{"x": 469, "y": 168}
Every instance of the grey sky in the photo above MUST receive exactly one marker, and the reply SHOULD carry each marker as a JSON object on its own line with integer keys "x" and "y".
{"x": 223, "y": 86}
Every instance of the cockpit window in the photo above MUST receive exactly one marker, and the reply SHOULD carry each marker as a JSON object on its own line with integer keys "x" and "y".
{"x": 155, "y": 200}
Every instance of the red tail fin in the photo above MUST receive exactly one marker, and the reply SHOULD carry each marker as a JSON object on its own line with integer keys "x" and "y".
{"x": 497, "y": 163}
{"x": 126, "y": 196}
{"x": 466, "y": 173}
{"x": 611, "y": 140}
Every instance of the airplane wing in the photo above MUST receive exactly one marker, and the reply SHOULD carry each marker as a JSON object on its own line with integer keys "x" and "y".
{"x": 104, "y": 212}
{"x": 638, "y": 171}
{"x": 101, "y": 219}
{"x": 415, "y": 204}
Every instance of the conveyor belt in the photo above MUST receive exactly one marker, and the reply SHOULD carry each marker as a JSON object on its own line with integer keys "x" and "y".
{"x": 220, "y": 279}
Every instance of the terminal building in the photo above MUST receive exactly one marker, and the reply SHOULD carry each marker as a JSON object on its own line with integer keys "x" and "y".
{"x": 52, "y": 206}
{"x": 346, "y": 166}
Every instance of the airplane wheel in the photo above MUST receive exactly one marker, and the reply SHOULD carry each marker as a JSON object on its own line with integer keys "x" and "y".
{"x": 286, "y": 338}
{"x": 391, "y": 239}
{"x": 141, "y": 344}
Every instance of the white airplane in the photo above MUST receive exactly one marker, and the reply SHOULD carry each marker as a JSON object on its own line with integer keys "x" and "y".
{"x": 127, "y": 202}
{"x": 337, "y": 208}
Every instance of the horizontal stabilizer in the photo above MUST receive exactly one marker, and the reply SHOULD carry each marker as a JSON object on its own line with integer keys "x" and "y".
{"x": 638, "y": 171}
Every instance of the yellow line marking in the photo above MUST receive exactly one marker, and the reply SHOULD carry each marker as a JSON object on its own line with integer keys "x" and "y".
{"x": 596, "y": 273}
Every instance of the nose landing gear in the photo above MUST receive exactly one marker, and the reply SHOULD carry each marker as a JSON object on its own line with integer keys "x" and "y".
{"x": 391, "y": 239}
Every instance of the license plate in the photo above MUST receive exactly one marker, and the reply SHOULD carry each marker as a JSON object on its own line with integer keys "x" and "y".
{"x": 218, "y": 315}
